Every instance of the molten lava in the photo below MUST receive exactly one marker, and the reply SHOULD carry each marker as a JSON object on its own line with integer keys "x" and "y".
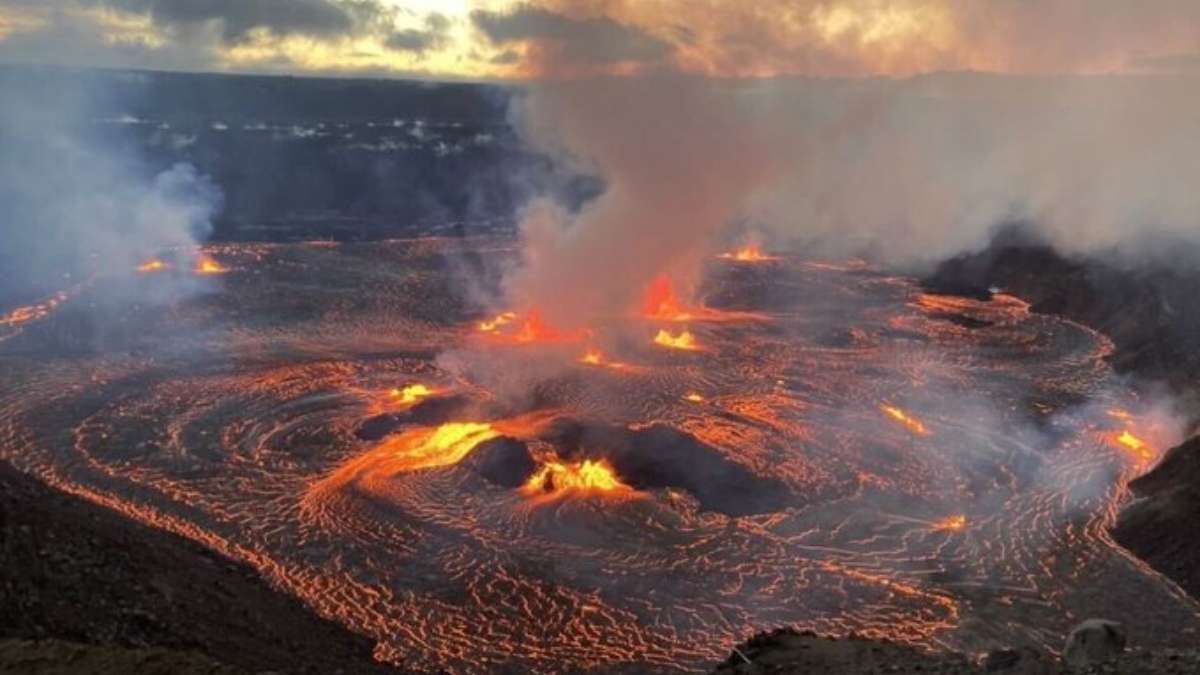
{"x": 748, "y": 253}
{"x": 439, "y": 446}
{"x": 527, "y": 328}
{"x": 685, "y": 340}
{"x": 592, "y": 357}
{"x": 410, "y": 394}
{"x": 207, "y": 266}
{"x": 660, "y": 302}
{"x": 497, "y": 322}
{"x": 153, "y": 265}
{"x": 909, "y": 422}
{"x": 535, "y": 329}
{"x": 33, "y": 312}
{"x": 590, "y": 476}
{"x": 693, "y": 397}
{"x": 955, "y": 523}
{"x": 1134, "y": 445}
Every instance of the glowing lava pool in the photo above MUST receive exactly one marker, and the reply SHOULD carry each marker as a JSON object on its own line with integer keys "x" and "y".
{"x": 853, "y": 456}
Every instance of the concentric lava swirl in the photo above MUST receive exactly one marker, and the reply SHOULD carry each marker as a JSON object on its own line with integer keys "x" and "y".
{"x": 693, "y": 499}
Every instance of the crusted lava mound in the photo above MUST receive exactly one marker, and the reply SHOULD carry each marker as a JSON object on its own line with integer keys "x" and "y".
{"x": 660, "y": 456}
{"x": 430, "y": 412}
{"x": 1162, "y": 525}
{"x": 505, "y": 461}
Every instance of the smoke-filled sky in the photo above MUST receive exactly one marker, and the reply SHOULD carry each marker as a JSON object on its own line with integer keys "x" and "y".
{"x": 502, "y": 39}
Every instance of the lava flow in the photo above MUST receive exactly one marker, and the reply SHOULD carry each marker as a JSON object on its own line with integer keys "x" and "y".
{"x": 544, "y": 515}
{"x": 410, "y": 393}
{"x": 528, "y": 327}
{"x": 909, "y": 422}
{"x": 558, "y": 478}
{"x": 660, "y": 302}
{"x": 748, "y": 253}
{"x": 206, "y": 265}
{"x": 684, "y": 340}
{"x": 153, "y": 265}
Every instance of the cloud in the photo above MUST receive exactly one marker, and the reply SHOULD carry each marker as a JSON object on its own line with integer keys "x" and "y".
{"x": 734, "y": 38}
{"x": 434, "y": 36}
{"x": 909, "y": 171}
{"x": 562, "y": 42}
{"x": 239, "y": 18}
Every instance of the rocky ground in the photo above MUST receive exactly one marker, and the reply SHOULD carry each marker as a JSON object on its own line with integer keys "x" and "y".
{"x": 84, "y": 590}
{"x": 1162, "y": 524}
{"x": 788, "y": 652}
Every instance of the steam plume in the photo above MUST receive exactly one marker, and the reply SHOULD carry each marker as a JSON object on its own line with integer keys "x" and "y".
{"x": 78, "y": 203}
{"x": 913, "y": 170}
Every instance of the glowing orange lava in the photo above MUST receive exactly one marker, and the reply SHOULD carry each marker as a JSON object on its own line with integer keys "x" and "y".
{"x": 955, "y": 523}
{"x": 660, "y": 302}
{"x": 207, "y": 266}
{"x": 592, "y": 357}
{"x": 535, "y": 329}
{"x": 153, "y": 265}
{"x": 556, "y": 478}
{"x": 748, "y": 253}
{"x": 694, "y": 397}
{"x": 685, "y": 340}
{"x": 410, "y": 394}
{"x": 913, "y": 425}
{"x": 528, "y": 327}
{"x": 33, "y": 312}
{"x": 497, "y": 322}
{"x": 438, "y": 446}
{"x": 1134, "y": 445}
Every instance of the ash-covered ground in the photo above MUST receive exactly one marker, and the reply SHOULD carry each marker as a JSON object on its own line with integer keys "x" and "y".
{"x": 837, "y": 451}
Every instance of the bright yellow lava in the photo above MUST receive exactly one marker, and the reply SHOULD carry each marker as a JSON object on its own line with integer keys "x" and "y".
{"x": 410, "y": 394}
{"x": 1141, "y": 449}
{"x": 152, "y": 266}
{"x": 442, "y": 446}
{"x": 496, "y": 322}
{"x": 955, "y": 523}
{"x": 685, "y": 340}
{"x": 555, "y": 477}
{"x": 749, "y": 253}
{"x": 913, "y": 425}
{"x": 694, "y": 397}
{"x": 206, "y": 265}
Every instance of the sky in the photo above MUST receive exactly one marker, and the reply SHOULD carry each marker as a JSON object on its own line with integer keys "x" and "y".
{"x": 556, "y": 39}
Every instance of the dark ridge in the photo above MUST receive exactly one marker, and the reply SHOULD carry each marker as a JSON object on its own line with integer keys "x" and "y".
{"x": 660, "y": 456}
{"x": 1162, "y": 524}
{"x": 429, "y": 412}
{"x": 74, "y": 571}
{"x": 1142, "y": 302}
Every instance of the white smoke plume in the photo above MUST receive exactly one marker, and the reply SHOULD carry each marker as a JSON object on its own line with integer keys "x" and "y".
{"x": 912, "y": 170}
{"x": 79, "y": 203}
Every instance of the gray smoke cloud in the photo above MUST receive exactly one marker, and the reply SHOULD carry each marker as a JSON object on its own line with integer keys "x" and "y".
{"x": 910, "y": 170}
{"x": 79, "y": 203}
